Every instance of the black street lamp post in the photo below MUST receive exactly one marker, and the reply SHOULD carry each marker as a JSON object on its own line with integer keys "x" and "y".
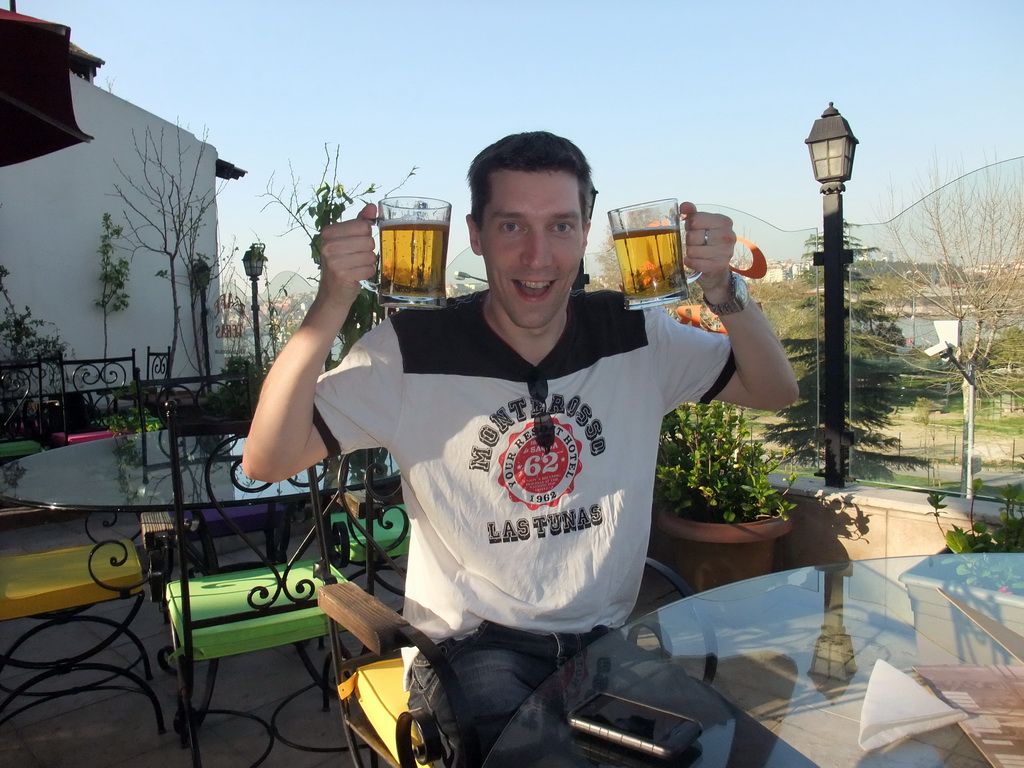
{"x": 832, "y": 145}
{"x": 253, "y": 262}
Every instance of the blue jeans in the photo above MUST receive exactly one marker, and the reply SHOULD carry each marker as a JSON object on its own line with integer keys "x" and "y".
{"x": 498, "y": 668}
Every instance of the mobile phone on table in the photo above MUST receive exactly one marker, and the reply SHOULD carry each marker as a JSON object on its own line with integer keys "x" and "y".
{"x": 635, "y": 725}
{"x": 604, "y": 753}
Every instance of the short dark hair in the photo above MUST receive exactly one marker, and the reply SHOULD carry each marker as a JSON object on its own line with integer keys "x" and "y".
{"x": 534, "y": 151}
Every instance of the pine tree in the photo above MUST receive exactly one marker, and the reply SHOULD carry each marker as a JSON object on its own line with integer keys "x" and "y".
{"x": 876, "y": 373}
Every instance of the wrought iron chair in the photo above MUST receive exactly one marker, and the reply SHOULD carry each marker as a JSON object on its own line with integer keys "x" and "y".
{"x": 221, "y": 614}
{"x": 371, "y": 688}
{"x": 371, "y": 532}
{"x": 663, "y": 585}
{"x": 211, "y": 398}
{"x": 158, "y": 363}
{"x": 214, "y": 397}
{"x": 53, "y": 590}
{"x": 373, "y": 509}
{"x": 22, "y": 427}
{"x": 90, "y": 393}
{"x": 374, "y": 703}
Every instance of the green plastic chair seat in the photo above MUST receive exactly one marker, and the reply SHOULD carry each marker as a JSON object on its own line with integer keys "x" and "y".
{"x": 15, "y": 449}
{"x": 225, "y": 594}
{"x": 59, "y": 579}
{"x": 386, "y": 532}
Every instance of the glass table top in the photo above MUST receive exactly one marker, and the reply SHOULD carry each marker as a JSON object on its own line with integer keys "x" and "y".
{"x": 133, "y": 473}
{"x": 793, "y": 653}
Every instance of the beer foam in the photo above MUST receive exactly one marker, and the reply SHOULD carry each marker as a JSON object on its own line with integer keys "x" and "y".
{"x": 643, "y": 231}
{"x": 411, "y": 221}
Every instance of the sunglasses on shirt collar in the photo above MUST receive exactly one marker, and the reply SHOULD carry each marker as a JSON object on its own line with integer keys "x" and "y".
{"x": 543, "y": 426}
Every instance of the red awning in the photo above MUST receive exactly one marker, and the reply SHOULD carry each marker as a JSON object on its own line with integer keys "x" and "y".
{"x": 37, "y": 115}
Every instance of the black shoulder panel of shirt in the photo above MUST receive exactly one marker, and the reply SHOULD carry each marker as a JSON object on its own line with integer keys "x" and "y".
{"x": 723, "y": 378}
{"x": 457, "y": 340}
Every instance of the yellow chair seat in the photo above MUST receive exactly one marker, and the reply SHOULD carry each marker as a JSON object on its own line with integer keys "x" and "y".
{"x": 226, "y": 594}
{"x": 379, "y": 689}
{"x": 59, "y": 579}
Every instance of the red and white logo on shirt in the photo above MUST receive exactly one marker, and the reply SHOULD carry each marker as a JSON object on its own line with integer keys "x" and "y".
{"x": 536, "y": 477}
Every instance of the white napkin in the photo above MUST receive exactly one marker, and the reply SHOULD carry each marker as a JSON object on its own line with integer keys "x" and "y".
{"x": 896, "y": 706}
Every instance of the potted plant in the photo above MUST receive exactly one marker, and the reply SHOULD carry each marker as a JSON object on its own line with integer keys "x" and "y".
{"x": 1008, "y": 536}
{"x": 990, "y": 579}
{"x": 717, "y": 515}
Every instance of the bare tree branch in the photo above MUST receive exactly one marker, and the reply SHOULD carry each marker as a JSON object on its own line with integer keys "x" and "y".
{"x": 165, "y": 209}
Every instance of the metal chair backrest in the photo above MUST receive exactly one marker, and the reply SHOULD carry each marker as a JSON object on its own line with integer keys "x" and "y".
{"x": 21, "y": 400}
{"x": 91, "y": 390}
{"x": 217, "y": 397}
{"x": 376, "y": 525}
{"x": 158, "y": 363}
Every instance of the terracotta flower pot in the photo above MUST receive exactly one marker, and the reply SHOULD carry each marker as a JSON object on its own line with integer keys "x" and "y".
{"x": 711, "y": 554}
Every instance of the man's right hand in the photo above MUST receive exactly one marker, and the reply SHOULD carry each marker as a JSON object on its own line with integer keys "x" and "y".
{"x": 282, "y": 439}
{"x": 347, "y": 256}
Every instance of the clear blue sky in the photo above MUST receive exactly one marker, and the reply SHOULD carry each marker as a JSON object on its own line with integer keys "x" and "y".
{"x": 707, "y": 101}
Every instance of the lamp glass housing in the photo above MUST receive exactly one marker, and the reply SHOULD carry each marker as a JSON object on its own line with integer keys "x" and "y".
{"x": 254, "y": 259}
{"x": 832, "y": 145}
{"x": 832, "y": 159}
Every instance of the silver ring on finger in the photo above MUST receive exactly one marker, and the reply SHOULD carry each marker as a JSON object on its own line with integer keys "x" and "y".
{"x": 707, "y": 235}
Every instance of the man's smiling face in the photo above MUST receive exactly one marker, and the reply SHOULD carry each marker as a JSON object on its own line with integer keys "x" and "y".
{"x": 532, "y": 237}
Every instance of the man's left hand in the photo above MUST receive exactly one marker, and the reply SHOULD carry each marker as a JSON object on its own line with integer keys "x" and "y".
{"x": 710, "y": 241}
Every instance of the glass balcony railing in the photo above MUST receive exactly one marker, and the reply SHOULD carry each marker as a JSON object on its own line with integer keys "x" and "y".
{"x": 948, "y": 270}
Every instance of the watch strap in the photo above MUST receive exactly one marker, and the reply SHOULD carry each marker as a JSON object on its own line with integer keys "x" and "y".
{"x": 736, "y": 302}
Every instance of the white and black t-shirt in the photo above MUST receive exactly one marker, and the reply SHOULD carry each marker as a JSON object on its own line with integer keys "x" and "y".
{"x": 502, "y": 530}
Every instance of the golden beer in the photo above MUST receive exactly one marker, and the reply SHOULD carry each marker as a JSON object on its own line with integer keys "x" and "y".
{"x": 412, "y": 263}
{"x": 651, "y": 265}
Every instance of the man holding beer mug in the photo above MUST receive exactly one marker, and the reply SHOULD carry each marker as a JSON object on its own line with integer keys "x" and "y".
{"x": 525, "y": 419}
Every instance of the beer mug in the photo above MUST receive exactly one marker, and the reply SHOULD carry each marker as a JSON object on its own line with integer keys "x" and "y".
{"x": 649, "y": 248}
{"x": 413, "y": 251}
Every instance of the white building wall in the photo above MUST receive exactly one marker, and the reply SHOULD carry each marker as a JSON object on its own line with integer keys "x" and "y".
{"x": 51, "y": 211}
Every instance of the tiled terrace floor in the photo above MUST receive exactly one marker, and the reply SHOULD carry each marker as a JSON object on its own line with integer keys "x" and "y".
{"x": 118, "y": 728}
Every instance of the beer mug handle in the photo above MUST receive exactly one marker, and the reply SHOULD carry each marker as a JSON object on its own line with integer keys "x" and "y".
{"x": 682, "y": 236}
{"x": 373, "y": 285}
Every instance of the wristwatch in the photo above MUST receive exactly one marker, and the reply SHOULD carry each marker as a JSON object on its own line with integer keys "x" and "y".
{"x": 739, "y": 299}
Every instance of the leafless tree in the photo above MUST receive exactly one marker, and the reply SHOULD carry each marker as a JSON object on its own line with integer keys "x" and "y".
{"x": 166, "y": 203}
{"x": 962, "y": 253}
{"x": 604, "y": 266}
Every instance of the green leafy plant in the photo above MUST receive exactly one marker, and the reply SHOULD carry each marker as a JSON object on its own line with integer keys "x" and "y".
{"x": 987, "y": 571}
{"x": 114, "y": 272}
{"x": 991, "y": 572}
{"x": 233, "y": 399}
{"x": 979, "y": 536}
{"x": 128, "y": 421}
{"x": 328, "y": 204}
{"x": 22, "y": 336}
{"x": 710, "y": 470}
